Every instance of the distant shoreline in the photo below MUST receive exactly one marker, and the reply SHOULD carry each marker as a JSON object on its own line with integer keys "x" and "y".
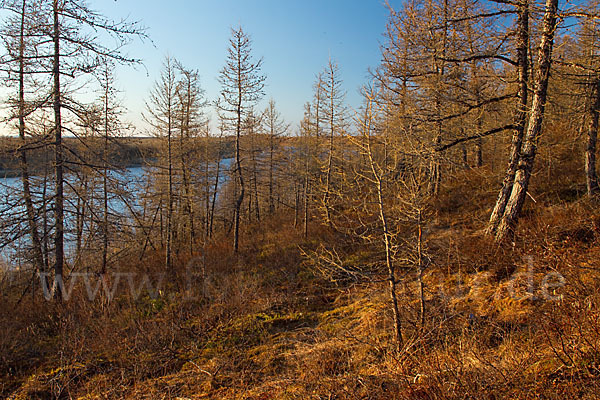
{"x": 17, "y": 173}
{"x": 127, "y": 152}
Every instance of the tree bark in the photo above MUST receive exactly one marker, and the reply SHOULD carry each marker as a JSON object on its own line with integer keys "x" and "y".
{"x": 387, "y": 237}
{"x": 80, "y": 215}
{"x": 255, "y": 177}
{"x": 168, "y": 255}
{"x": 592, "y": 137}
{"x": 105, "y": 234}
{"x": 329, "y": 171}
{"x": 440, "y": 71}
{"x": 306, "y": 199}
{"x": 238, "y": 168}
{"x": 528, "y": 153}
{"x": 520, "y": 117}
{"x": 420, "y": 266}
{"x": 296, "y": 204}
{"x": 58, "y": 154}
{"x": 271, "y": 166}
{"x": 38, "y": 255}
{"x": 215, "y": 191}
{"x": 465, "y": 157}
{"x": 185, "y": 168}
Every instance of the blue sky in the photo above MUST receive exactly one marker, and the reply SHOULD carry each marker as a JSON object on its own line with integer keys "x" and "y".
{"x": 295, "y": 38}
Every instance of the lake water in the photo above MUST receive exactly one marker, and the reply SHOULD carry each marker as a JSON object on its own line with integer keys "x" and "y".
{"x": 129, "y": 190}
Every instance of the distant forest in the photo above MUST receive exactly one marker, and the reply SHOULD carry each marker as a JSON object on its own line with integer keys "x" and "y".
{"x": 123, "y": 152}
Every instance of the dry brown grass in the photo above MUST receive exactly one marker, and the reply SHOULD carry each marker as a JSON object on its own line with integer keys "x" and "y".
{"x": 262, "y": 325}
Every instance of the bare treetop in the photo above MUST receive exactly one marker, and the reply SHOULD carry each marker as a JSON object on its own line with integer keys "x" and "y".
{"x": 242, "y": 84}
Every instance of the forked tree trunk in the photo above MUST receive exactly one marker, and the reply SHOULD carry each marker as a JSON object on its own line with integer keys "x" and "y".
{"x": 520, "y": 117}
{"x": 528, "y": 153}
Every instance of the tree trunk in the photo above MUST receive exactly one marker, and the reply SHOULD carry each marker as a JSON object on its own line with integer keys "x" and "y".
{"x": 238, "y": 168}
{"x": 271, "y": 166}
{"x": 528, "y": 153}
{"x": 214, "y": 196}
{"x": 328, "y": 173}
{"x": 249, "y": 215}
{"x": 189, "y": 195}
{"x": 105, "y": 237}
{"x": 168, "y": 255}
{"x": 420, "y": 266}
{"x": 440, "y": 70}
{"x": 206, "y": 184}
{"x": 185, "y": 175}
{"x": 81, "y": 213}
{"x": 388, "y": 259}
{"x": 45, "y": 228}
{"x": 387, "y": 239}
{"x": 592, "y": 136}
{"x": 296, "y": 204}
{"x": 38, "y": 254}
{"x": 520, "y": 117}
{"x": 306, "y": 213}
{"x": 58, "y": 155}
{"x": 479, "y": 149}
{"x": 255, "y": 180}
